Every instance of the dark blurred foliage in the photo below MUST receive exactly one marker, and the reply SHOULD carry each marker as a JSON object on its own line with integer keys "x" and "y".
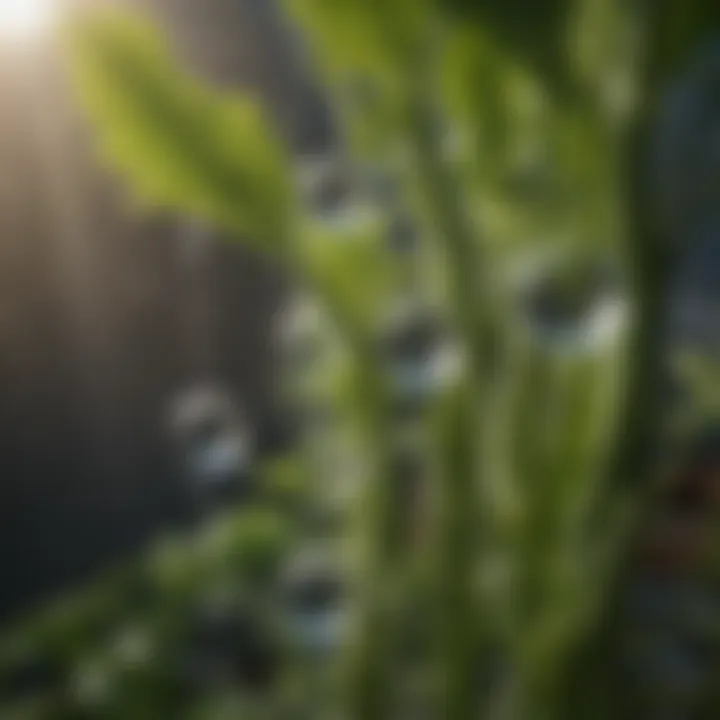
{"x": 160, "y": 636}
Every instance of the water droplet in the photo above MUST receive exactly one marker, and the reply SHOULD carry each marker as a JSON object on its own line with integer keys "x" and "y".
{"x": 299, "y": 331}
{"x": 313, "y": 590}
{"x": 573, "y": 308}
{"x": 212, "y": 437}
{"x": 332, "y": 194}
{"x": 420, "y": 355}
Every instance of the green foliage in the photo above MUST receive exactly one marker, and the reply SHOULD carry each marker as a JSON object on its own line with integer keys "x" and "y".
{"x": 354, "y": 270}
{"x": 509, "y": 126}
{"x": 382, "y": 39}
{"x": 181, "y": 144}
{"x": 122, "y": 642}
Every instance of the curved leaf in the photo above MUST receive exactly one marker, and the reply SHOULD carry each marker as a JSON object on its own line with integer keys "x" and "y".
{"x": 181, "y": 144}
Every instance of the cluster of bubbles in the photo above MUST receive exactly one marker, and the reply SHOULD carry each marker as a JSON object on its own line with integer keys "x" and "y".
{"x": 566, "y": 304}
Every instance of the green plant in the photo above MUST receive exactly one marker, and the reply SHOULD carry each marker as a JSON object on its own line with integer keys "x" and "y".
{"x": 514, "y": 135}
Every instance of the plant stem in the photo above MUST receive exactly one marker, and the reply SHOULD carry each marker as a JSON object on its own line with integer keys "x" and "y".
{"x": 368, "y": 689}
{"x": 370, "y": 671}
{"x": 631, "y": 466}
{"x": 453, "y": 234}
{"x": 458, "y": 521}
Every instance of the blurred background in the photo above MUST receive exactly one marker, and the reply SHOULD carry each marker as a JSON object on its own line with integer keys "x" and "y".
{"x": 140, "y": 398}
{"x": 107, "y": 321}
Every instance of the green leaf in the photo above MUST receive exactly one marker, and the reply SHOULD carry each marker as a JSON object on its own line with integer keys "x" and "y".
{"x": 353, "y": 271}
{"x": 376, "y": 37}
{"x": 533, "y": 32}
{"x": 181, "y": 145}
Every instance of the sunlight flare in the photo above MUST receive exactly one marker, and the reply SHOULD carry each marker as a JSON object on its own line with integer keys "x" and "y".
{"x": 26, "y": 19}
